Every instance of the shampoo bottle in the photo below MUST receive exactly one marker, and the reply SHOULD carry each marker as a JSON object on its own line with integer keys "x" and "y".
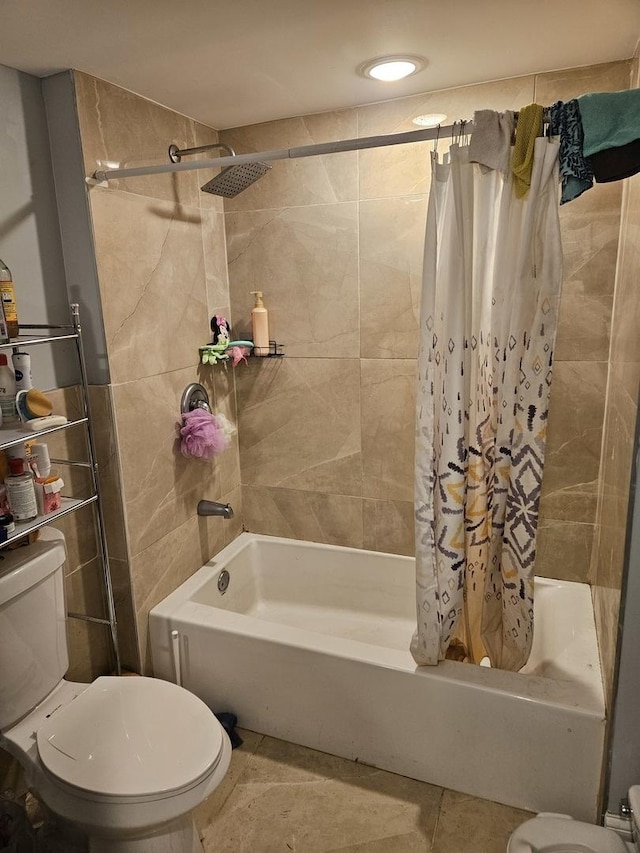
{"x": 260, "y": 324}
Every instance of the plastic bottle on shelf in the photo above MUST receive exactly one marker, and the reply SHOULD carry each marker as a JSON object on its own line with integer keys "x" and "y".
{"x": 8, "y": 294}
{"x": 22, "y": 366}
{"x": 21, "y": 491}
{"x": 260, "y": 325}
{"x": 40, "y": 461}
{"x": 7, "y": 393}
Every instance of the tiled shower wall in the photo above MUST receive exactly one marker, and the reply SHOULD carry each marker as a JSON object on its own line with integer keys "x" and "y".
{"x": 326, "y": 434}
{"x": 160, "y": 254}
{"x": 621, "y": 413}
{"x": 335, "y": 243}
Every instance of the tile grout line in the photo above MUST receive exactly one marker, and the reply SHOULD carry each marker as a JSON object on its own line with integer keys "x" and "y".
{"x": 437, "y": 823}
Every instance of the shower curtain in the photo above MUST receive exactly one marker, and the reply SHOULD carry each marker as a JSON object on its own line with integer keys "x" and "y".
{"x": 491, "y": 287}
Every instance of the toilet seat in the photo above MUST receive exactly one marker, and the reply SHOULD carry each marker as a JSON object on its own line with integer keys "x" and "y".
{"x": 130, "y": 740}
{"x": 561, "y": 834}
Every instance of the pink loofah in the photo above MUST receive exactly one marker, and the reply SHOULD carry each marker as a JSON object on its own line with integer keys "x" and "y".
{"x": 239, "y": 354}
{"x": 201, "y": 435}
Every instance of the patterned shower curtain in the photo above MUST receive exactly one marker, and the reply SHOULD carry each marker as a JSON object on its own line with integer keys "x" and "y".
{"x": 491, "y": 288}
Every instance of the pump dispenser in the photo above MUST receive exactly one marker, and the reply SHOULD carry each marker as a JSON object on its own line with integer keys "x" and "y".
{"x": 260, "y": 324}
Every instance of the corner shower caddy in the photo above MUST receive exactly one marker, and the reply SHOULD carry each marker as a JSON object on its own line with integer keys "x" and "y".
{"x": 32, "y": 335}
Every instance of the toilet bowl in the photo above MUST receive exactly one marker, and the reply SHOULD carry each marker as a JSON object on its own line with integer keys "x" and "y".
{"x": 119, "y": 764}
{"x": 556, "y": 833}
{"x": 551, "y": 833}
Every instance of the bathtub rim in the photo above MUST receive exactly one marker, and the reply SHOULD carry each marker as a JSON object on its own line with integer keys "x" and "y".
{"x": 178, "y": 607}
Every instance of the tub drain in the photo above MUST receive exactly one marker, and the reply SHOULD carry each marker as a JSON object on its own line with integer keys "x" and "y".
{"x": 223, "y": 581}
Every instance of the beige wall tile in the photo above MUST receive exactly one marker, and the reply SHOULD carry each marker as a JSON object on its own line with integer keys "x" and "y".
{"x": 305, "y": 260}
{"x": 152, "y": 283}
{"x": 117, "y": 126}
{"x": 215, "y": 261}
{"x": 391, "y": 233}
{"x": 299, "y": 424}
{"x": 590, "y": 228}
{"x": 608, "y": 560}
{"x": 161, "y": 487}
{"x": 103, "y": 419}
{"x": 564, "y": 85}
{"x": 626, "y": 320}
{"x": 126, "y": 615}
{"x": 161, "y": 568}
{"x": 84, "y": 585}
{"x": 233, "y": 527}
{"x": 563, "y": 550}
{"x": 606, "y": 606}
{"x": 574, "y": 436}
{"x": 304, "y": 181}
{"x": 389, "y": 526}
{"x": 220, "y": 380}
{"x": 204, "y": 135}
{"x": 90, "y": 652}
{"x": 576, "y": 502}
{"x": 403, "y": 170}
{"x": 388, "y": 428}
{"x": 310, "y": 516}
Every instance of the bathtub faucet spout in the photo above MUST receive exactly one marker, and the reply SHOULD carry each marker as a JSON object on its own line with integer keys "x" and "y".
{"x": 215, "y": 508}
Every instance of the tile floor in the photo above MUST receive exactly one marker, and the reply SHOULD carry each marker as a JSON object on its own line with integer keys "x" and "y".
{"x": 278, "y": 797}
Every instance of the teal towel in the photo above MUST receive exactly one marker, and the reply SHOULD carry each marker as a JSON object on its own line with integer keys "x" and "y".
{"x": 609, "y": 119}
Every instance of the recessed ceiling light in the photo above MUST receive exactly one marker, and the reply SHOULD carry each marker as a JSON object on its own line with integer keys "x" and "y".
{"x": 430, "y": 119}
{"x": 390, "y": 68}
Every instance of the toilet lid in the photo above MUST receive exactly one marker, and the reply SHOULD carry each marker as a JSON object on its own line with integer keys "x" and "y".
{"x": 131, "y": 737}
{"x": 555, "y": 834}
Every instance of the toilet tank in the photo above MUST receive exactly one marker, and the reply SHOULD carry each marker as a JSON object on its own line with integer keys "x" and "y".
{"x": 33, "y": 640}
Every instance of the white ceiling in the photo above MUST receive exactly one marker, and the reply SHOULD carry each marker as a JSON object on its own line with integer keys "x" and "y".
{"x": 244, "y": 61}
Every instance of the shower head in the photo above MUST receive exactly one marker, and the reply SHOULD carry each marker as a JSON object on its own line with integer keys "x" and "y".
{"x": 230, "y": 181}
{"x": 235, "y": 179}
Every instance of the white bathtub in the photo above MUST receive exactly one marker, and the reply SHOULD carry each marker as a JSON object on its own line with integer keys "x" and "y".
{"x": 310, "y": 644}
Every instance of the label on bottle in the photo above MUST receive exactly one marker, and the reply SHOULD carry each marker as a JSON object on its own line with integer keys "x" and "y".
{"x": 8, "y": 410}
{"x": 9, "y": 301}
{"x": 4, "y": 329}
{"x": 22, "y": 497}
{"x": 22, "y": 368}
{"x": 7, "y": 405}
{"x": 10, "y": 308}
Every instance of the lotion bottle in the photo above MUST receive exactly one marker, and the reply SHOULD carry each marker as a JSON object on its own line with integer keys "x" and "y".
{"x": 260, "y": 324}
{"x": 22, "y": 368}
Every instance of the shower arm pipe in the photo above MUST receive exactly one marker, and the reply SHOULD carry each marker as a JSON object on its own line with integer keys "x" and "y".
{"x": 426, "y": 134}
{"x": 175, "y": 153}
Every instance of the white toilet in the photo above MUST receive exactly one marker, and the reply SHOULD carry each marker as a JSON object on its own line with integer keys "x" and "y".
{"x": 553, "y": 833}
{"x": 121, "y": 763}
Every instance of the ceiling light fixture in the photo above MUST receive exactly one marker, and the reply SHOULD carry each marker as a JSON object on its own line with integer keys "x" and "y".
{"x": 429, "y": 120}
{"x": 390, "y": 68}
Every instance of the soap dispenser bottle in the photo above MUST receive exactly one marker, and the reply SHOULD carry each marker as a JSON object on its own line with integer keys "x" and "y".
{"x": 260, "y": 324}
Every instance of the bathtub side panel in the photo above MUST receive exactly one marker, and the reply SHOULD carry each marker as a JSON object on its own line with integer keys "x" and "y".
{"x": 483, "y": 743}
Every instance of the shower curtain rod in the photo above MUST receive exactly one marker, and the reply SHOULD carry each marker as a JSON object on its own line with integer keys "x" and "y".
{"x": 101, "y": 175}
